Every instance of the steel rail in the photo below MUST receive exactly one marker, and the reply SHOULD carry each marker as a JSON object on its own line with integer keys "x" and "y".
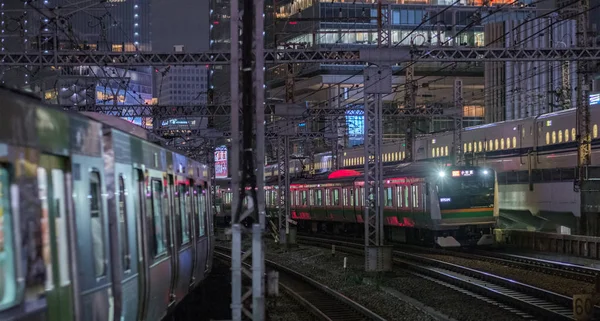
{"x": 322, "y": 301}
{"x": 532, "y": 300}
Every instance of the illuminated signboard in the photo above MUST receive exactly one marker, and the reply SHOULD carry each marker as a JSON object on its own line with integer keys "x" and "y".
{"x": 221, "y": 162}
{"x": 462, "y": 173}
{"x": 594, "y": 99}
{"x": 445, "y": 200}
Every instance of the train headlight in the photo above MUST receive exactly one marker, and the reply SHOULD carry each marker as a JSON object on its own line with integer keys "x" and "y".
{"x": 442, "y": 174}
{"x": 485, "y": 172}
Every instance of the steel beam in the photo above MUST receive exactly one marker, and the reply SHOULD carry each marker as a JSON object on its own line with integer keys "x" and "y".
{"x": 458, "y": 122}
{"x": 410, "y": 95}
{"x": 237, "y": 267}
{"x": 583, "y": 104}
{"x": 273, "y": 57}
{"x": 378, "y": 82}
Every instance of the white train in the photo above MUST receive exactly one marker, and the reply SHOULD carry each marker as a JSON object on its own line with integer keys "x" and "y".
{"x": 535, "y": 159}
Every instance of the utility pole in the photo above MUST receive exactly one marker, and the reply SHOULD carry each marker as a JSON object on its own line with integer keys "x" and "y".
{"x": 245, "y": 183}
{"x": 458, "y": 122}
{"x": 584, "y": 152}
{"x": 410, "y": 95}
{"x": 377, "y": 82}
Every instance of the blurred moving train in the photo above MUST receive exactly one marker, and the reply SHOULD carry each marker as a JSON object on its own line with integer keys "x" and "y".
{"x": 535, "y": 160}
{"x": 96, "y": 223}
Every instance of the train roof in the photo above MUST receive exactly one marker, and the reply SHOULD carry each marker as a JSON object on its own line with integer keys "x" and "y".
{"x": 118, "y": 123}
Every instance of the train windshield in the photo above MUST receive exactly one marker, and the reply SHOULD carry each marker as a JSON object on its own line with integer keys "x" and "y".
{"x": 466, "y": 189}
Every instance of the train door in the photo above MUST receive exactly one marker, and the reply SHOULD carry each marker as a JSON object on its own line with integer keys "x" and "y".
{"x": 128, "y": 247}
{"x": 142, "y": 240}
{"x": 55, "y": 236}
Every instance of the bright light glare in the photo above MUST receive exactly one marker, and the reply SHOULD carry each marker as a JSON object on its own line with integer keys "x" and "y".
{"x": 442, "y": 174}
{"x": 485, "y": 172}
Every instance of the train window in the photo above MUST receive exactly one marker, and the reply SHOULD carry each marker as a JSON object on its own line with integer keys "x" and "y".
{"x": 123, "y": 227}
{"x": 399, "y": 196}
{"x": 508, "y": 143}
{"x": 446, "y": 150}
{"x": 560, "y": 136}
{"x": 566, "y": 135}
{"x": 335, "y": 197}
{"x": 465, "y": 147}
{"x": 522, "y": 132}
{"x": 201, "y": 206}
{"x": 388, "y": 197}
{"x": 433, "y": 152}
{"x": 595, "y": 131}
{"x": 184, "y": 215}
{"x": 501, "y": 143}
{"x": 327, "y": 197}
{"x": 496, "y": 144}
{"x": 514, "y": 142}
{"x": 318, "y": 197}
{"x": 355, "y": 197}
{"x": 573, "y": 134}
{"x": 548, "y": 138}
{"x": 362, "y": 196}
{"x": 44, "y": 222}
{"x": 345, "y": 196}
{"x": 158, "y": 223}
{"x": 406, "y": 199}
{"x": 304, "y": 203}
{"x": 97, "y": 224}
{"x": 553, "y": 137}
{"x": 415, "y": 196}
{"x": 8, "y": 278}
{"x": 489, "y": 145}
{"x": 470, "y": 146}
{"x": 480, "y": 147}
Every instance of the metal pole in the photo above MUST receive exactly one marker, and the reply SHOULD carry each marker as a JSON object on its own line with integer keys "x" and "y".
{"x": 286, "y": 165}
{"x": 410, "y": 93}
{"x": 236, "y": 238}
{"x": 258, "y": 258}
{"x": 377, "y": 82}
{"x": 458, "y": 122}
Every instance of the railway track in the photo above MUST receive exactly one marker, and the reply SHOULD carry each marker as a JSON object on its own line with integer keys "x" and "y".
{"x": 519, "y": 298}
{"x": 323, "y": 302}
{"x": 566, "y": 270}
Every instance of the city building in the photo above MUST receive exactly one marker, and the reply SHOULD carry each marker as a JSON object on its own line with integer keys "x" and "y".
{"x": 110, "y": 87}
{"x": 181, "y": 26}
{"x": 515, "y": 90}
{"x": 347, "y": 24}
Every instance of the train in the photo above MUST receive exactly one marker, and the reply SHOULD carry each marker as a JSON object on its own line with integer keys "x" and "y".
{"x": 96, "y": 222}
{"x": 424, "y": 203}
{"x": 534, "y": 158}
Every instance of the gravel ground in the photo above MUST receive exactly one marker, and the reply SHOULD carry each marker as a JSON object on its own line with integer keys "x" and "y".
{"x": 282, "y": 308}
{"x": 553, "y": 283}
{"x": 372, "y": 291}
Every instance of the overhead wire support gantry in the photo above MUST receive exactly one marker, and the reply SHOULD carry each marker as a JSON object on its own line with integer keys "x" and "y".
{"x": 321, "y": 55}
{"x": 377, "y": 83}
{"x": 247, "y": 166}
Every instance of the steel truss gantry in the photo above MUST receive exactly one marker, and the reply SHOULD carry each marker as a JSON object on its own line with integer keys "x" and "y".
{"x": 378, "y": 82}
{"x": 322, "y": 55}
{"x": 247, "y": 180}
{"x": 224, "y": 110}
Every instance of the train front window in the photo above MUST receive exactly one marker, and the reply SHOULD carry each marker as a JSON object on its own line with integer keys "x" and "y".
{"x": 467, "y": 192}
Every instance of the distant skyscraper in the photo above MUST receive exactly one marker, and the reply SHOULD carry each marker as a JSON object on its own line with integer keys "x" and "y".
{"x": 180, "y": 22}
